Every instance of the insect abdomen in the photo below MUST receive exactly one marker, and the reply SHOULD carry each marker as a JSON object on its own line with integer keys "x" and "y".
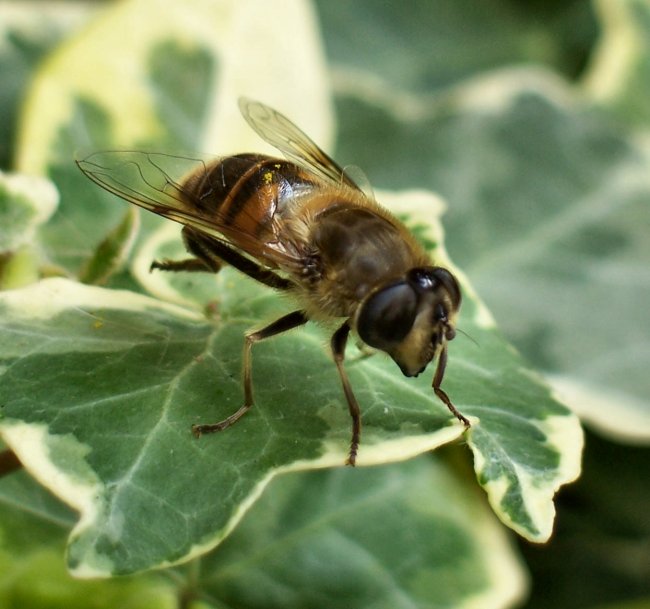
{"x": 246, "y": 192}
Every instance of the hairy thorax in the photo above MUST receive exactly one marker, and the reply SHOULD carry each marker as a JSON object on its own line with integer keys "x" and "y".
{"x": 352, "y": 250}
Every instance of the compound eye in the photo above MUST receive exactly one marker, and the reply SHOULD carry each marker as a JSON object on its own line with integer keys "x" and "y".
{"x": 445, "y": 278}
{"x": 387, "y": 316}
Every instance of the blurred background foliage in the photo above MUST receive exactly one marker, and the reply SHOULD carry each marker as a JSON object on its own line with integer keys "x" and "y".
{"x": 531, "y": 119}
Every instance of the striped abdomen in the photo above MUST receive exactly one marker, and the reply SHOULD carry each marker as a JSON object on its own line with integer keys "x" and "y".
{"x": 247, "y": 194}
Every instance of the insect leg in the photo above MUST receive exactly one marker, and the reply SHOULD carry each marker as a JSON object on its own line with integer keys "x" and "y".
{"x": 338, "y": 342}
{"x": 200, "y": 263}
{"x": 292, "y": 320}
{"x": 189, "y": 264}
{"x": 213, "y": 251}
{"x": 437, "y": 380}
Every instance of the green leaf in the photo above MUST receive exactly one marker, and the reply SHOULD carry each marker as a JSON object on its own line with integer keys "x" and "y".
{"x": 546, "y": 197}
{"x": 31, "y": 517}
{"x": 110, "y": 255}
{"x": 26, "y": 37}
{"x": 602, "y": 531}
{"x": 619, "y": 75}
{"x": 337, "y": 538}
{"x": 159, "y": 90}
{"x": 39, "y": 580}
{"x": 518, "y": 485}
{"x": 99, "y": 386}
{"x": 115, "y": 379}
{"x": 438, "y": 43}
{"x": 547, "y": 209}
{"x": 33, "y": 528}
{"x": 25, "y": 203}
{"x": 453, "y": 552}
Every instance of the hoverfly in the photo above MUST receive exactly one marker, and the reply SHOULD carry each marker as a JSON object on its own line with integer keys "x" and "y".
{"x": 302, "y": 226}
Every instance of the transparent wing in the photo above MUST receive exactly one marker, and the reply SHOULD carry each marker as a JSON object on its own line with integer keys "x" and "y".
{"x": 280, "y": 132}
{"x": 155, "y": 181}
{"x": 150, "y": 180}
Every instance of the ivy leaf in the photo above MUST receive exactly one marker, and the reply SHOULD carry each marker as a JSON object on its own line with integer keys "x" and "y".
{"x": 173, "y": 88}
{"x": 619, "y": 76}
{"x": 112, "y": 252}
{"x": 453, "y": 550}
{"x": 115, "y": 380}
{"x": 547, "y": 209}
{"x": 346, "y": 530}
{"x": 26, "y": 202}
{"x": 447, "y": 42}
{"x": 33, "y": 529}
{"x": 26, "y": 37}
{"x": 100, "y": 386}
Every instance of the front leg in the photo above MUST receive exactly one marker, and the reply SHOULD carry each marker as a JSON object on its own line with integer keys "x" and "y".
{"x": 440, "y": 392}
{"x": 339, "y": 340}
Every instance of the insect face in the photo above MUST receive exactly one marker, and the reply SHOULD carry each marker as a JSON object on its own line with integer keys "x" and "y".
{"x": 411, "y": 319}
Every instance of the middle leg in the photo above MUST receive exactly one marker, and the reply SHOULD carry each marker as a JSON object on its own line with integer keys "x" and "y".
{"x": 292, "y": 320}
